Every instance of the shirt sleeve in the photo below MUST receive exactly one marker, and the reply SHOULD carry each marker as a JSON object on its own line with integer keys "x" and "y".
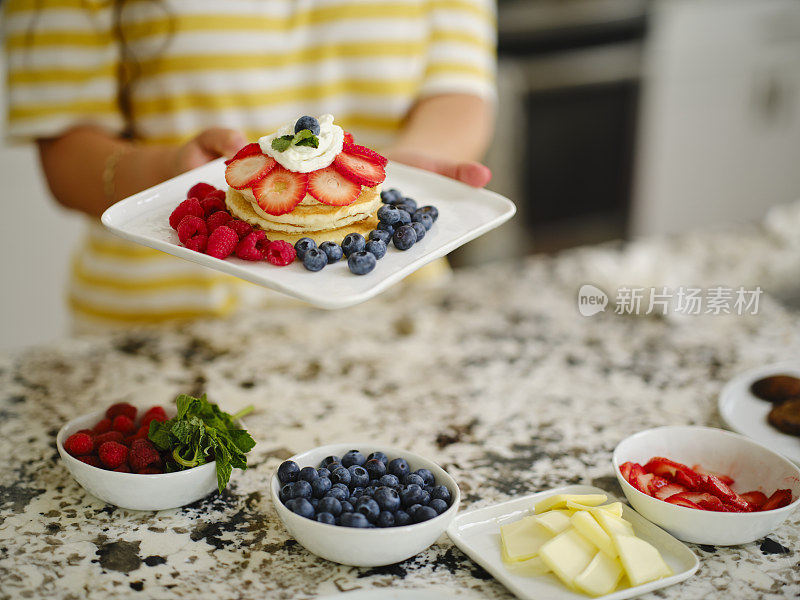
{"x": 62, "y": 62}
{"x": 462, "y": 49}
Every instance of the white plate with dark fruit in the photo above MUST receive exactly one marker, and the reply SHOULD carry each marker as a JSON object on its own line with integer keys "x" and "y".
{"x": 364, "y": 505}
{"x": 310, "y": 213}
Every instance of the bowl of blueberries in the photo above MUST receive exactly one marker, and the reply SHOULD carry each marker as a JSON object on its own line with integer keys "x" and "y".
{"x": 364, "y": 505}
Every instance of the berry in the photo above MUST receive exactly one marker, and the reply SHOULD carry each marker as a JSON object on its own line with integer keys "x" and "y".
{"x": 247, "y": 171}
{"x": 380, "y": 235}
{"x": 398, "y": 467}
{"x": 379, "y": 456}
{"x": 419, "y": 229}
{"x": 410, "y": 202}
{"x": 391, "y": 196}
{"x": 389, "y": 480}
{"x": 330, "y": 460}
{"x": 424, "y": 513}
{"x": 121, "y": 408}
{"x": 314, "y": 502}
{"x": 359, "y": 169}
{"x": 217, "y": 219}
{"x": 375, "y": 467}
{"x": 438, "y": 505}
{"x": 331, "y": 505}
{"x": 280, "y": 253}
{"x": 414, "y": 479}
{"x": 423, "y": 218}
{"x": 143, "y": 454}
{"x": 429, "y": 210}
{"x": 288, "y": 471}
{"x": 368, "y": 507}
{"x": 377, "y": 248}
{"x": 404, "y": 237}
{"x": 426, "y": 475}
{"x": 325, "y": 517}
{"x": 241, "y": 228}
{"x": 123, "y": 469}
{"x": 213, "y": 202}
{"x": 112, "y": 454}
{"x": 302, "y": 245}
{"x": 91, "y": 459}
{"x": 156, "y": 413}
{"x": 280, "y": 191}
{"x": 308, "y": 474}
{"x": 348, "y": 138}
{"x": 198, "y": 243}
{"x": 441, "y": 492}
{"x": 332, "y": 250}
{"x": 78, "y": 444}
{"x": 412, "y": 509}
{"x": 191, "y": 206}
{"x": 386, "y": 227}
{"x": 306, "y": 122}
{"x": 191, "y": 226}
{"x": 353, "y": 242}
{"x": 253, "y": 247}
{"x": 387, "y": 498}
{"x": 123, "y": 424}
{"x": 361, "y": 263}
{"x": 102, "y": 426}
{"x": 323, "y": 472}
{"x": 247, "y": 150}
{"x": 299, "y": 489}
{"x": 401, "y": 518}
{"x": 413, "y": 494}
{"x": 347, "y": 507}
{"x": 358, "y": 476}
{"x": 200, "y": 190}
{"x": 332, "y": 188}
{"x": 426, "y": 497}
{"x": 315, "y": 259}
{"x": 353, "y": 457}
{"x": 353, "y": 519}
{"x": 320, "y": 486}
{"x": 222, "y": 242}
{"x": 340, "y": 475}
{"x": 405, "y": 217}
{"x": 150, "y": 471}
{"x": 108, "y": 436}
{"x": 301, "y": 506}
{"x": 389, "y": 214}
{"x": 385, "y": 519}
{"x": 367, "y": 154}
{"x": 88, "y": 432}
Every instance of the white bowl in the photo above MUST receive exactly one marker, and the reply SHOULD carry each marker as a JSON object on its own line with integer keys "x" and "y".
{"x": 751, "y": 465}
{"x": 132, "y": 491}
{"x": 366, "y": 547}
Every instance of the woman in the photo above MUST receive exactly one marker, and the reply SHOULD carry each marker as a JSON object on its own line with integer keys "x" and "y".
{"x": 121, "y": 95}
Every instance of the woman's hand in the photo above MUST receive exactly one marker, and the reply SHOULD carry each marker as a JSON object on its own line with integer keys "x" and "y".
{"x": 204, "y": 147}
{"x": 470, "y": 172}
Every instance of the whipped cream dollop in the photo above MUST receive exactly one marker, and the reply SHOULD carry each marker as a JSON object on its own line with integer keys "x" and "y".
{"x": 304, "y": 159}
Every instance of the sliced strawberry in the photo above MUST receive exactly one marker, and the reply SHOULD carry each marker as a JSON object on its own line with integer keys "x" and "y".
{"x": 723, "y": 478}
{"x": 639, "y": 479}
{"x": 246, "y": 172}
{"x": 669, "y": 490}
{"x": 280, "y": 191}
{"x": 704, "y": 500}
{"x": 348, "y": 139}
{"x": 779, "y": 499}
{"x": 673, "y": 471}
{"x": 359, "y": 169}
{"x": 755, "y": 499}
{"x": 331, "y": 187}
{"x": 712, "y": 485}
{"x": 655, "y": 484}
{"x": 625, "y": 469}
{"x": 247, "y": 150}
{"x": 680, "y": 501}
{"x": 367, "y": 154}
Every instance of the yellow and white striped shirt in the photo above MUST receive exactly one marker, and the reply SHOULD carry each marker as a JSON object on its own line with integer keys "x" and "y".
{"x": 244, "y": 64}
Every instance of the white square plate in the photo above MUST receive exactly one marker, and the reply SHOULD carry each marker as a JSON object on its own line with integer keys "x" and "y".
{"x": 477, "y": 534}
{"x": 464, "y": 214}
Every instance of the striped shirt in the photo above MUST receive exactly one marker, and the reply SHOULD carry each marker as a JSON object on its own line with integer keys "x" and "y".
{"x": 245, "y": 64}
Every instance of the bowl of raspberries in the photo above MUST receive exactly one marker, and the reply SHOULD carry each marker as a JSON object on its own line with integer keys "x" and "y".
{"x": 109, "y": 454}
{"x": 364, "y": 505}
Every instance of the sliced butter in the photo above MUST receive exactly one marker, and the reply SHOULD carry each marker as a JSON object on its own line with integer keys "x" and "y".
{"x": 568, "y": 554}
{"x": 601, "y": 576}
{"x": 589, "y": 528}
{"x": 615, "y": 508}
{"x": 554, "y": 521}
{"x": 613, "y": 525}
{"x": 560, "y": 501}
{"x": 533, "y": 567}
{"x": 522, "y": 539}
{"x": 642, "y": 561}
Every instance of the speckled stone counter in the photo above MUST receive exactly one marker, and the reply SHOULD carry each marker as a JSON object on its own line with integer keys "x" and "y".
{"x": 494, "y": 374}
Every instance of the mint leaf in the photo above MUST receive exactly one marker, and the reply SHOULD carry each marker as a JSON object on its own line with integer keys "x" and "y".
{"x": 305, "y": 137}
{"x": 282, "y": 143}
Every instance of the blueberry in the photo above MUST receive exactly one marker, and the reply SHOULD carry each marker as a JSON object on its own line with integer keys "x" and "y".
{"x": 422, "y": 218}
{"x": 323, "y": 472}
{"x": 315, "y": 259}
{"x": 442, "y": 493}
{"x": 288, "y": 471}
{"x": 326, "y": 517}
{"x": 347, "y": 506}
{"x": 368, "y": 507}
{"x": 339, "y": 491}
{"x": 405, "y": 217}
{"x": 331, "y": 505}
{"x": 426, "y": 498}
{"x": 308, "y": 474}
{"x": 302, "y": 489}
{"x": 357, "y": 492}
{"x": 428, "y": 488}
{"x": 426, "y": 475}
{"x": 404, "y": 237}
{"x": 423, "y": 513}
{"x": 301, "y": 506}
{"x": 412, "y": 509}
{"x": 410, "y": 202}
{"x": 330, "y": 460}
{"x": 370, "y": 489}
{"x": 379, "y": 456}
{"x": 353, "y": 457}
{"x": 361, "y": 263}
{"x": 320, "y": 486}
{"x": 306, "y": 122}
{"x": 285, "y": 493}
{"x": 377, "y": 248}
{"x": 376, "y": 468}
{"x": 438, "y": 505}
{"x": 340, "y": 475}
{"x": 385, "y": 519}
{"x": 390, "y": 214}
{"x": 419, "y": 229}
{"x": 391, "y": 196}
{"x": 314, "y": 502}
{"x": 353, "y": 499}
{"x": 413, "y": 494}
{"x": 429, "y": 210}
{"x": 387, "y": 498}
{"x": 358, "y": 476}
{"x": 386, "y": 227}
{"x": 332, "y": 250}
{"x": 389, "y": 480}
{"x": 398, "y": 467}
{"x": 353, "y": 242}
{"x": 302, "y": 245}
{"x": 380, "y": 234}
{"x": 353, "y": 519}
{"x": 401, "y": 517}
{"x": 413, "y": 478}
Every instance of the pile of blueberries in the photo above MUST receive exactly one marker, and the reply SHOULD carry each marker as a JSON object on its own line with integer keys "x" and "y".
{"x": 399, "y": 221}
{"x": 354, "y": 491}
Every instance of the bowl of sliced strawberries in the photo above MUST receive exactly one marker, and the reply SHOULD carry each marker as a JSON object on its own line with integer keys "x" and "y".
{"x": 706, "y": 485}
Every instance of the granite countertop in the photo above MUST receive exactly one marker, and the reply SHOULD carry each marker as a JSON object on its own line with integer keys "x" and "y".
{"x": 494, "y": 375}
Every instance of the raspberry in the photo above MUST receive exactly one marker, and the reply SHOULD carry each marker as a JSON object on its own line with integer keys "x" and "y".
{"x": 222, "y": 242}
{"x": 185, "y": 208}
{"x": 89, "y": 432}
{"x": 112, "y": 454}
{"x": 150, "y": 471}
{"x": 198, "y": 243}
{"x": 142, "y": 455}
{"x": 156, "y": 413}
{"x": 191, "y": 226}
{"x": 123, "y": 424}
{"x": 102, "y": 426}
{"x": 280, "y": 253}
{"x": 121, "y": 408}
{"x": 92, "y": 460}
{"x": 200, "y": 190}
{"x": 123, "y": 469}
{"x": 213, "y": 202}
{"x": 254, "y": 246}
{"x": 218, "y": 219}
{"x": 241, "y": 228}
{"x": 78, "y": 444}
{"x": 109, "y": 436}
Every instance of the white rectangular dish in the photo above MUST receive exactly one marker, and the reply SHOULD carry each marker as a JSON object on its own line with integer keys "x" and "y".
{"x": 464, "y": 214}
{"x": 477, "y": 534}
